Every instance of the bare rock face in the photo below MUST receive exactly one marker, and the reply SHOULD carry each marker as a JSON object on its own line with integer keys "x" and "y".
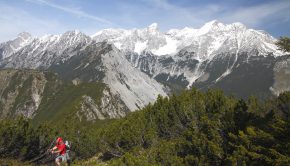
{"x": 232, "y": 57}
{"x": 281, "y": 76}
{"x": 109, "y": 107}
{"x": 21, "y": 92}
{"x": 44, "y": 96}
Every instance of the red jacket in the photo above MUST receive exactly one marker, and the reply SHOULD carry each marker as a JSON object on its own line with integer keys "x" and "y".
{"x": 62, "y": 148}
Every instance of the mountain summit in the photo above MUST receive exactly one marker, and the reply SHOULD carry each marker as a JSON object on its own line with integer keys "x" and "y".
{"x": 137, "y": 65}
{"x": 9, "y": 47}
{"x": 213, "y": 37}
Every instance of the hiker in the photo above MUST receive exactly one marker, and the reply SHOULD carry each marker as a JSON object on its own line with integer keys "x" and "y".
{"x": 60, "y": 149}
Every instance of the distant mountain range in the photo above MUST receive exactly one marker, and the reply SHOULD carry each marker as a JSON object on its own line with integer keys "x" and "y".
{"x": 135, "y": 66}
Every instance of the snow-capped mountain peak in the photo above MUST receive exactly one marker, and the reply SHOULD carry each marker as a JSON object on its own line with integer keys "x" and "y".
{"x": 9, "y": 47}
{"x": 134, "y": 63}
{"x": 24, "y": 36}
{"x": 210, "y": 26}
{"x": 153, "y": 28}
{"x": 238, "y": 25}
{"x": 48, "y": 38}
{"x": 213, "y": 37}
{"x": 45, "y": 50}
{"x": 73, "y": 33}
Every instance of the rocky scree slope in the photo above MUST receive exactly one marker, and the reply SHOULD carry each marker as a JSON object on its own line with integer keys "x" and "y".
{"x": 217, "y": 55}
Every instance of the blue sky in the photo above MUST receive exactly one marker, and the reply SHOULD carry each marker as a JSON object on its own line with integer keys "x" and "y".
{"x": 40, "y": 17}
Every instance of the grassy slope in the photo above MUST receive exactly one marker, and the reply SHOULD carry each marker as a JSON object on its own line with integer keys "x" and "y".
{"x": 8, "y": 162}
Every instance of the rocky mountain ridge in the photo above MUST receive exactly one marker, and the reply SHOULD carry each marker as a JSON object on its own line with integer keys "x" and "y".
{"x": 137, "y": 65}
{"x": 42, "y": 96}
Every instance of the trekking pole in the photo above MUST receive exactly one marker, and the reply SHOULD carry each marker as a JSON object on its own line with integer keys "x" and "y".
{"x": 44, "y": 154}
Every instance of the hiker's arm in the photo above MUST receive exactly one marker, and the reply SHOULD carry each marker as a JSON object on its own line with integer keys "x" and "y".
{"x": 58, "y": 151}
{"x": 53, "y": 149}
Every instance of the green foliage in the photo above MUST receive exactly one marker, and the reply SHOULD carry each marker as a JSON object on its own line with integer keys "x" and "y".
{"x": 61, "y": 100}
{"x": 201, "y": 129}
{"x": 284, "y": 44}
{"x": 193, "y": 128}
{"x": 19, "y": 139}
{"x": 13, "y": 162}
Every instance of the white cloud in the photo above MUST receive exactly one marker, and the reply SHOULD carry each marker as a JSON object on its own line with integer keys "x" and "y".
{"x": 164, "y": 13}
{"x": 74, "y": 11}
{"x": 258, "y": 15}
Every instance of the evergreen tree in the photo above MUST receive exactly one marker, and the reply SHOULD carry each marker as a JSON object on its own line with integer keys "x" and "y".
{"x": 283, "y": 44}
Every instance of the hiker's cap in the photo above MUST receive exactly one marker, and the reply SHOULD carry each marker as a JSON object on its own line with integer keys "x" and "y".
{"x": 58, "y": 140}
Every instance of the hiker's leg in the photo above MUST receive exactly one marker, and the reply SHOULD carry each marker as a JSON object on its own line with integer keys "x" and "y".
{"x": 58, "y": 160}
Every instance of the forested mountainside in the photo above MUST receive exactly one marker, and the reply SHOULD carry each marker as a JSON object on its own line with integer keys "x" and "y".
{"x": 193, "y": 128}
{"x": 43, "y": 96}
